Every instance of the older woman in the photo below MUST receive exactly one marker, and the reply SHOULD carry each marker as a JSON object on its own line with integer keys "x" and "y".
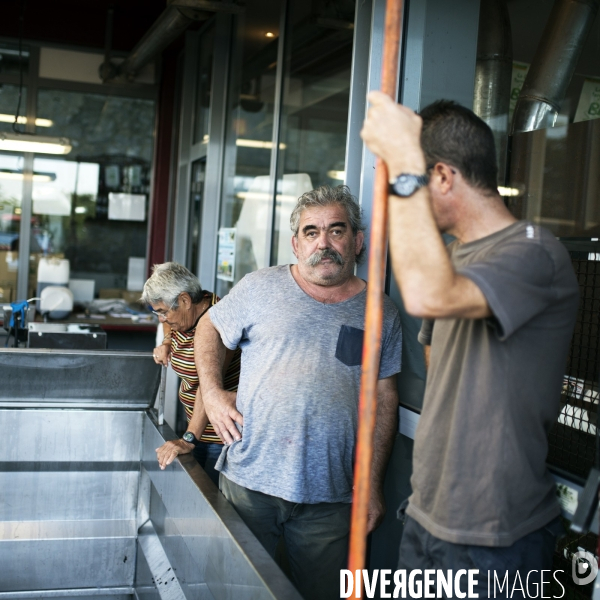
{"x": 179, "y": 302}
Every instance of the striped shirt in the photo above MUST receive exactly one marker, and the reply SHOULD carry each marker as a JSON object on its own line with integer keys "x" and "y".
{"x": 182, "y": 361}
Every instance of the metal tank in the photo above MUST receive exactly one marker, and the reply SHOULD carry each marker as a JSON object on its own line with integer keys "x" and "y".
{"x": 85, "y": 511}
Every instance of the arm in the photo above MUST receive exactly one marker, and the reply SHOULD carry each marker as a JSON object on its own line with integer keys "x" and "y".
{"x": 386, "y": 425}
{"x": 430, "y": 286}
{"x": 162, "y": 353}
{"x": 210, "y": 361}
{"x": 167, "y": 453}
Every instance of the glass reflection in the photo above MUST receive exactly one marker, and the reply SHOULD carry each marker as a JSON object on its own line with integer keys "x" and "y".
{"x": 555, "y": 179}
{"x": 246, "y": 204}
{"x": 91, "y": 207}
{"x": 552, "y": 176}
{"x": 9, "y": 98}
{"x": 315, "y": 109}
{"x": 99, "y": 125}
{"x": 510, "y": 44}
{"x": 11, "y": 191}
{"x": 10, "y": 63}
{"x": 195, "y": 220}
{"x": 204, "y": 87}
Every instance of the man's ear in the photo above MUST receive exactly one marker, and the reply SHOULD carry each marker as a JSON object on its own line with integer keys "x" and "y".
{"x": 442, "y": 177}
{"x": 295, "y": 245}
{"x": 359, "y": 241}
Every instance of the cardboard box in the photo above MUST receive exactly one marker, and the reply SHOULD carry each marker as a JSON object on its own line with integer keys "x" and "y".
{"x": 110, "y": 293}
{"x": 7, "y": 293}
{"x": 132, "y": 297}
{"x": 9, "y": 262}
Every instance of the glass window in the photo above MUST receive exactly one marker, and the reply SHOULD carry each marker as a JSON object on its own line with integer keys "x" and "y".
{"x": 9, "y": 59}
{"x": 315, "y": 109}
{"x": 553, "y": 179}
{"x": 100, "y": 125}
{"x": 11, "y": 193}
{"x": 91, "y": 206}
{"x": 246, "y": 198}
{"x": 9, "y": 98}
{"x": 195, "y": 221}
{"x": 553, "y": 176}
{"x": 204, "y": 87}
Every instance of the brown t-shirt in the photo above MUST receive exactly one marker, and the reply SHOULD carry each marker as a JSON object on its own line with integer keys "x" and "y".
{"x": 493, "y": 392}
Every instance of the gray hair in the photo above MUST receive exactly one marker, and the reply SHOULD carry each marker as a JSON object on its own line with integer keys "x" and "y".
{"x": 326, "y": 196}
{"x": 167, "y": 281}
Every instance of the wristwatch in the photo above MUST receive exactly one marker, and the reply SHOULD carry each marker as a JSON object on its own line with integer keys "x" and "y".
{"x": 190, "y": 438}
{"x": 406, "y": 184}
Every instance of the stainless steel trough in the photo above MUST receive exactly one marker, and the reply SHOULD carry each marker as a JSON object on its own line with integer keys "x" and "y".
{"x": 84, "y": 509}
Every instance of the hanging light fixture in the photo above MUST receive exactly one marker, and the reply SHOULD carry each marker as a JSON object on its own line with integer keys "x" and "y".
{"x": 19, "y": 176}
{"x": 28, "y": 142}
{"x": 23, "y": 120}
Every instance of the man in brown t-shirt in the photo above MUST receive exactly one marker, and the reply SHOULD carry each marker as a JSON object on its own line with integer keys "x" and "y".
{"x": 499, "y": 309}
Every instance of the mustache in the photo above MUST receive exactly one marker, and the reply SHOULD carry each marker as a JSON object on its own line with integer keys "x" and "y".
{"x": 316, "y": 257}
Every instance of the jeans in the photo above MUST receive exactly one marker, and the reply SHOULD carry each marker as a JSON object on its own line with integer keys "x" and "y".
{"x": 533, "y": 552}
{"x": 315, "y": 535}
{"x": 207, "y": 455}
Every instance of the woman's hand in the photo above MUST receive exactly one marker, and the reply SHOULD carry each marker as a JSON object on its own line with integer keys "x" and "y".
{"x": 162, "y": 354}
{"x": 169, "y": 451}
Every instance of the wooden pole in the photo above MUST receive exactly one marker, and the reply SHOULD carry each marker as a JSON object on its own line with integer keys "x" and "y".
{"x": 367, "y": 407}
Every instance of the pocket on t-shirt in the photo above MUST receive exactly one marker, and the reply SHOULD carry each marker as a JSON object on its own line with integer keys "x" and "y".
{"x": 350, "y": 345}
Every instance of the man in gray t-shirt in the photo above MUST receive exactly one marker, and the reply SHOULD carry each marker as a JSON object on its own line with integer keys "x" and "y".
{"x": 499, "y": 312}
{"x": 290, "y": 430}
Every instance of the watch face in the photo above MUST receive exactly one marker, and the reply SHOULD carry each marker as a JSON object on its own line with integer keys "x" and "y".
{"x": 406, "y": 185}
{"x": 189, "y": 437}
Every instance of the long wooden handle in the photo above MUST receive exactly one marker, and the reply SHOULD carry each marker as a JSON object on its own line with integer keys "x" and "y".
{"x": 367, "y": 407}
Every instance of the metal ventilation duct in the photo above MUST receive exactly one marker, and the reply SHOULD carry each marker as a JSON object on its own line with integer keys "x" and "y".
{"x": 493, "y": 71}
{"x": 167, "y": 28}
{"x": 554, "y": 64}
{"x": 494, "y": 63}
{"x": 173, "y": 21}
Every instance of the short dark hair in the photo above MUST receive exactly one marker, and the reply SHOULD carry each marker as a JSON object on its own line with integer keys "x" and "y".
{"x": 455, "y": 135}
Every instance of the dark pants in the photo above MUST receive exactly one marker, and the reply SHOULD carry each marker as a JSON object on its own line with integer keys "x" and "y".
{"x": 207, "y": 455}
{"x": 533, "y": 552}
{"x": 315, "y": 535}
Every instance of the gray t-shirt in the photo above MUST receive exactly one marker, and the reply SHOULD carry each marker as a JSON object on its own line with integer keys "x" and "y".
{"x": 493, "y": 392}
{"x": 299, "y": 385}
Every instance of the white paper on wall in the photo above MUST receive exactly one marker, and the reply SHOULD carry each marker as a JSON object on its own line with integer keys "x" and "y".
{"x": 49, "y": 200}
{"x": 519, "y": 73}
{"x": 83, "y": 289}
{"x": 126, "y": 207}
{"x": 136, "y": 274}
{"x": 226, "y": 254}
{"x": 589, "y": 100}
